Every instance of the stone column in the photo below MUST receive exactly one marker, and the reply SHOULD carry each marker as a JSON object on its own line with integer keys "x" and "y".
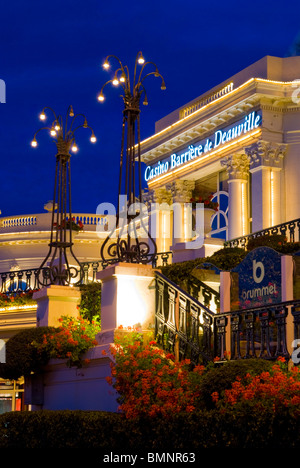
{"x": 161, "y": 218}
{"x": 182, "y": 191}
{"x": 266, "y": 162}
{"x": 237, "y": 166}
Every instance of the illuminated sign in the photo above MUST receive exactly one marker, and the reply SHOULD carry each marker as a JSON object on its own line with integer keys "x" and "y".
{"x": 249, "y": 123}
{"x": 259, "y": 278}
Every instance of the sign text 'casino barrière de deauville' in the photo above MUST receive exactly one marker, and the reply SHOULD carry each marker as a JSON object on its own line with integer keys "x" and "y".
{"x": 249, "y": 123}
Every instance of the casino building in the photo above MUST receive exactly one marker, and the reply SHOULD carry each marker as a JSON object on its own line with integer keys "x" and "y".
{"x": 239, "y": 143}
{"x": 238, "y": 146}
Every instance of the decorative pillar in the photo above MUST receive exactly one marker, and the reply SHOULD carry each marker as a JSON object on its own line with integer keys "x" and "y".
{"x": 127, "y": 296}
{"x": 237, "y": 166}
{"x": 161, "y": 218}
{"x": 182, "y": 191}
{"x": 266, "y": 162}
{"x": 55, "y": 301}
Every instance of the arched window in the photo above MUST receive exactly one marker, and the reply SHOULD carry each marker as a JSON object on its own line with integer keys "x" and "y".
{"x": 219, "y": 221}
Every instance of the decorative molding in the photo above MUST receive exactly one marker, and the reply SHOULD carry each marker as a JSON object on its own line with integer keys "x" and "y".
{"x": 199, "y": 130}
{"x": 163, "y": 195}
{"x": 237, "y": 165}
{"x": 265, "y": 153}
{"x": 182, "y": 190}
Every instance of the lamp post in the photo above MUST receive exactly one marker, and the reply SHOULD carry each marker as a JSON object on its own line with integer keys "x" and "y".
{"x": 56, "y": 267}
{"x": 128, "y": 246}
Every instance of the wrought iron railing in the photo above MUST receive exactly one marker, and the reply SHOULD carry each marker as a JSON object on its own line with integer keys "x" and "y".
{"x": 201, "y": 291}
{"x": 189, "y": 329}
{"x": 19, "y": 281}
{"x": 91, "y": 268}
{"x": 259, "y": 332}
{"x": 290, "y": 229}
{"x": 183, "y": 325}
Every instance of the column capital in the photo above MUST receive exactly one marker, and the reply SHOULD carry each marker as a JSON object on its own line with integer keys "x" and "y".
{"x": 182, "y": 190}
{"x": 266, "y": 153}
{"x": 162, "y": 195}
{"x": 237, "y": 165}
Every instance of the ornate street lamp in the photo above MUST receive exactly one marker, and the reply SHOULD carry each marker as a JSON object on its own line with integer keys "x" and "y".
{"x": 129, "y": 246}
{"x": 56, "y": 267}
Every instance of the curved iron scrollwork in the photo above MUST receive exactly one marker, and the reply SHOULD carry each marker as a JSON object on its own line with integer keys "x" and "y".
{"x": 131, "y": 241}
{"x": 61, "y": 265}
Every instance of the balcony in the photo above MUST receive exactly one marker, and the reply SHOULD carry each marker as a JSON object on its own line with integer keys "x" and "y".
{"x": 42, "y": 222}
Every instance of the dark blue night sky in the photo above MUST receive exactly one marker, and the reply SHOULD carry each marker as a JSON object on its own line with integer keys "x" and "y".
{"x": 51, "y": 55}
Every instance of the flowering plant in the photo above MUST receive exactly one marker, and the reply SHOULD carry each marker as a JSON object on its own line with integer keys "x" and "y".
{"x": 149, "y": 382}
{"x": 22, "y": 298}
{"x": 70, "y": 340}
{"x": 67, "y": 224}
{"x": 276, "y": 389}
{"x": 208, "y": 203}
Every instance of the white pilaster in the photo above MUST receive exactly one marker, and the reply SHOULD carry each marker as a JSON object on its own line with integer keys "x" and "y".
{"x": 237, "y": 166}
{"x": 266, "y": 167}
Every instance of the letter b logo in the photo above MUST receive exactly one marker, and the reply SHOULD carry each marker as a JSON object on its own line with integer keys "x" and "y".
{"x": 258, "y": 271}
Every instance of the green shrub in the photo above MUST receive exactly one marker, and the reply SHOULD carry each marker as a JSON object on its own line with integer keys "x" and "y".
{"x": 277, "y": 242}
{"x": 224, "y": 259}
{"x": 221, "y": 377}
{"x": 273, "y": 241}
{"x": 29, "y": 350}
{"x": 90, "y": 304}
{"x": 182, "y": 433}
{"x": 22, "y": 357}
{"x": 227, "y": 258}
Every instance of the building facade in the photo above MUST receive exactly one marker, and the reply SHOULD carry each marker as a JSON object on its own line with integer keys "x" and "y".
{"x": 238, "y": 144}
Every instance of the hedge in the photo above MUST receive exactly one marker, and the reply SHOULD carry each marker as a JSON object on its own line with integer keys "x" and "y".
{"x": 224, "y": 259}
{"x": 221, "y": 377}
{"x": 90, "y": 304}
{"x": 228, "y": 257}
{"x": 22, "y": 357}
{"x": 184, "y": 433}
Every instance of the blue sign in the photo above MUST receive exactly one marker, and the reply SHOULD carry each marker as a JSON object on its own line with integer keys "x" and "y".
{"x": 220, "y": 137}
{"x": 259, "y": 278}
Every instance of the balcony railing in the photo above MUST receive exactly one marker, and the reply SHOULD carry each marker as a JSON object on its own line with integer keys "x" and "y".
{"x": 18, "y": 281}
{"x": 91, "y": 268}
{"x": 290, "y": 229}
{"x": 259, "y": 332}
{"x": 42, "y": 222}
